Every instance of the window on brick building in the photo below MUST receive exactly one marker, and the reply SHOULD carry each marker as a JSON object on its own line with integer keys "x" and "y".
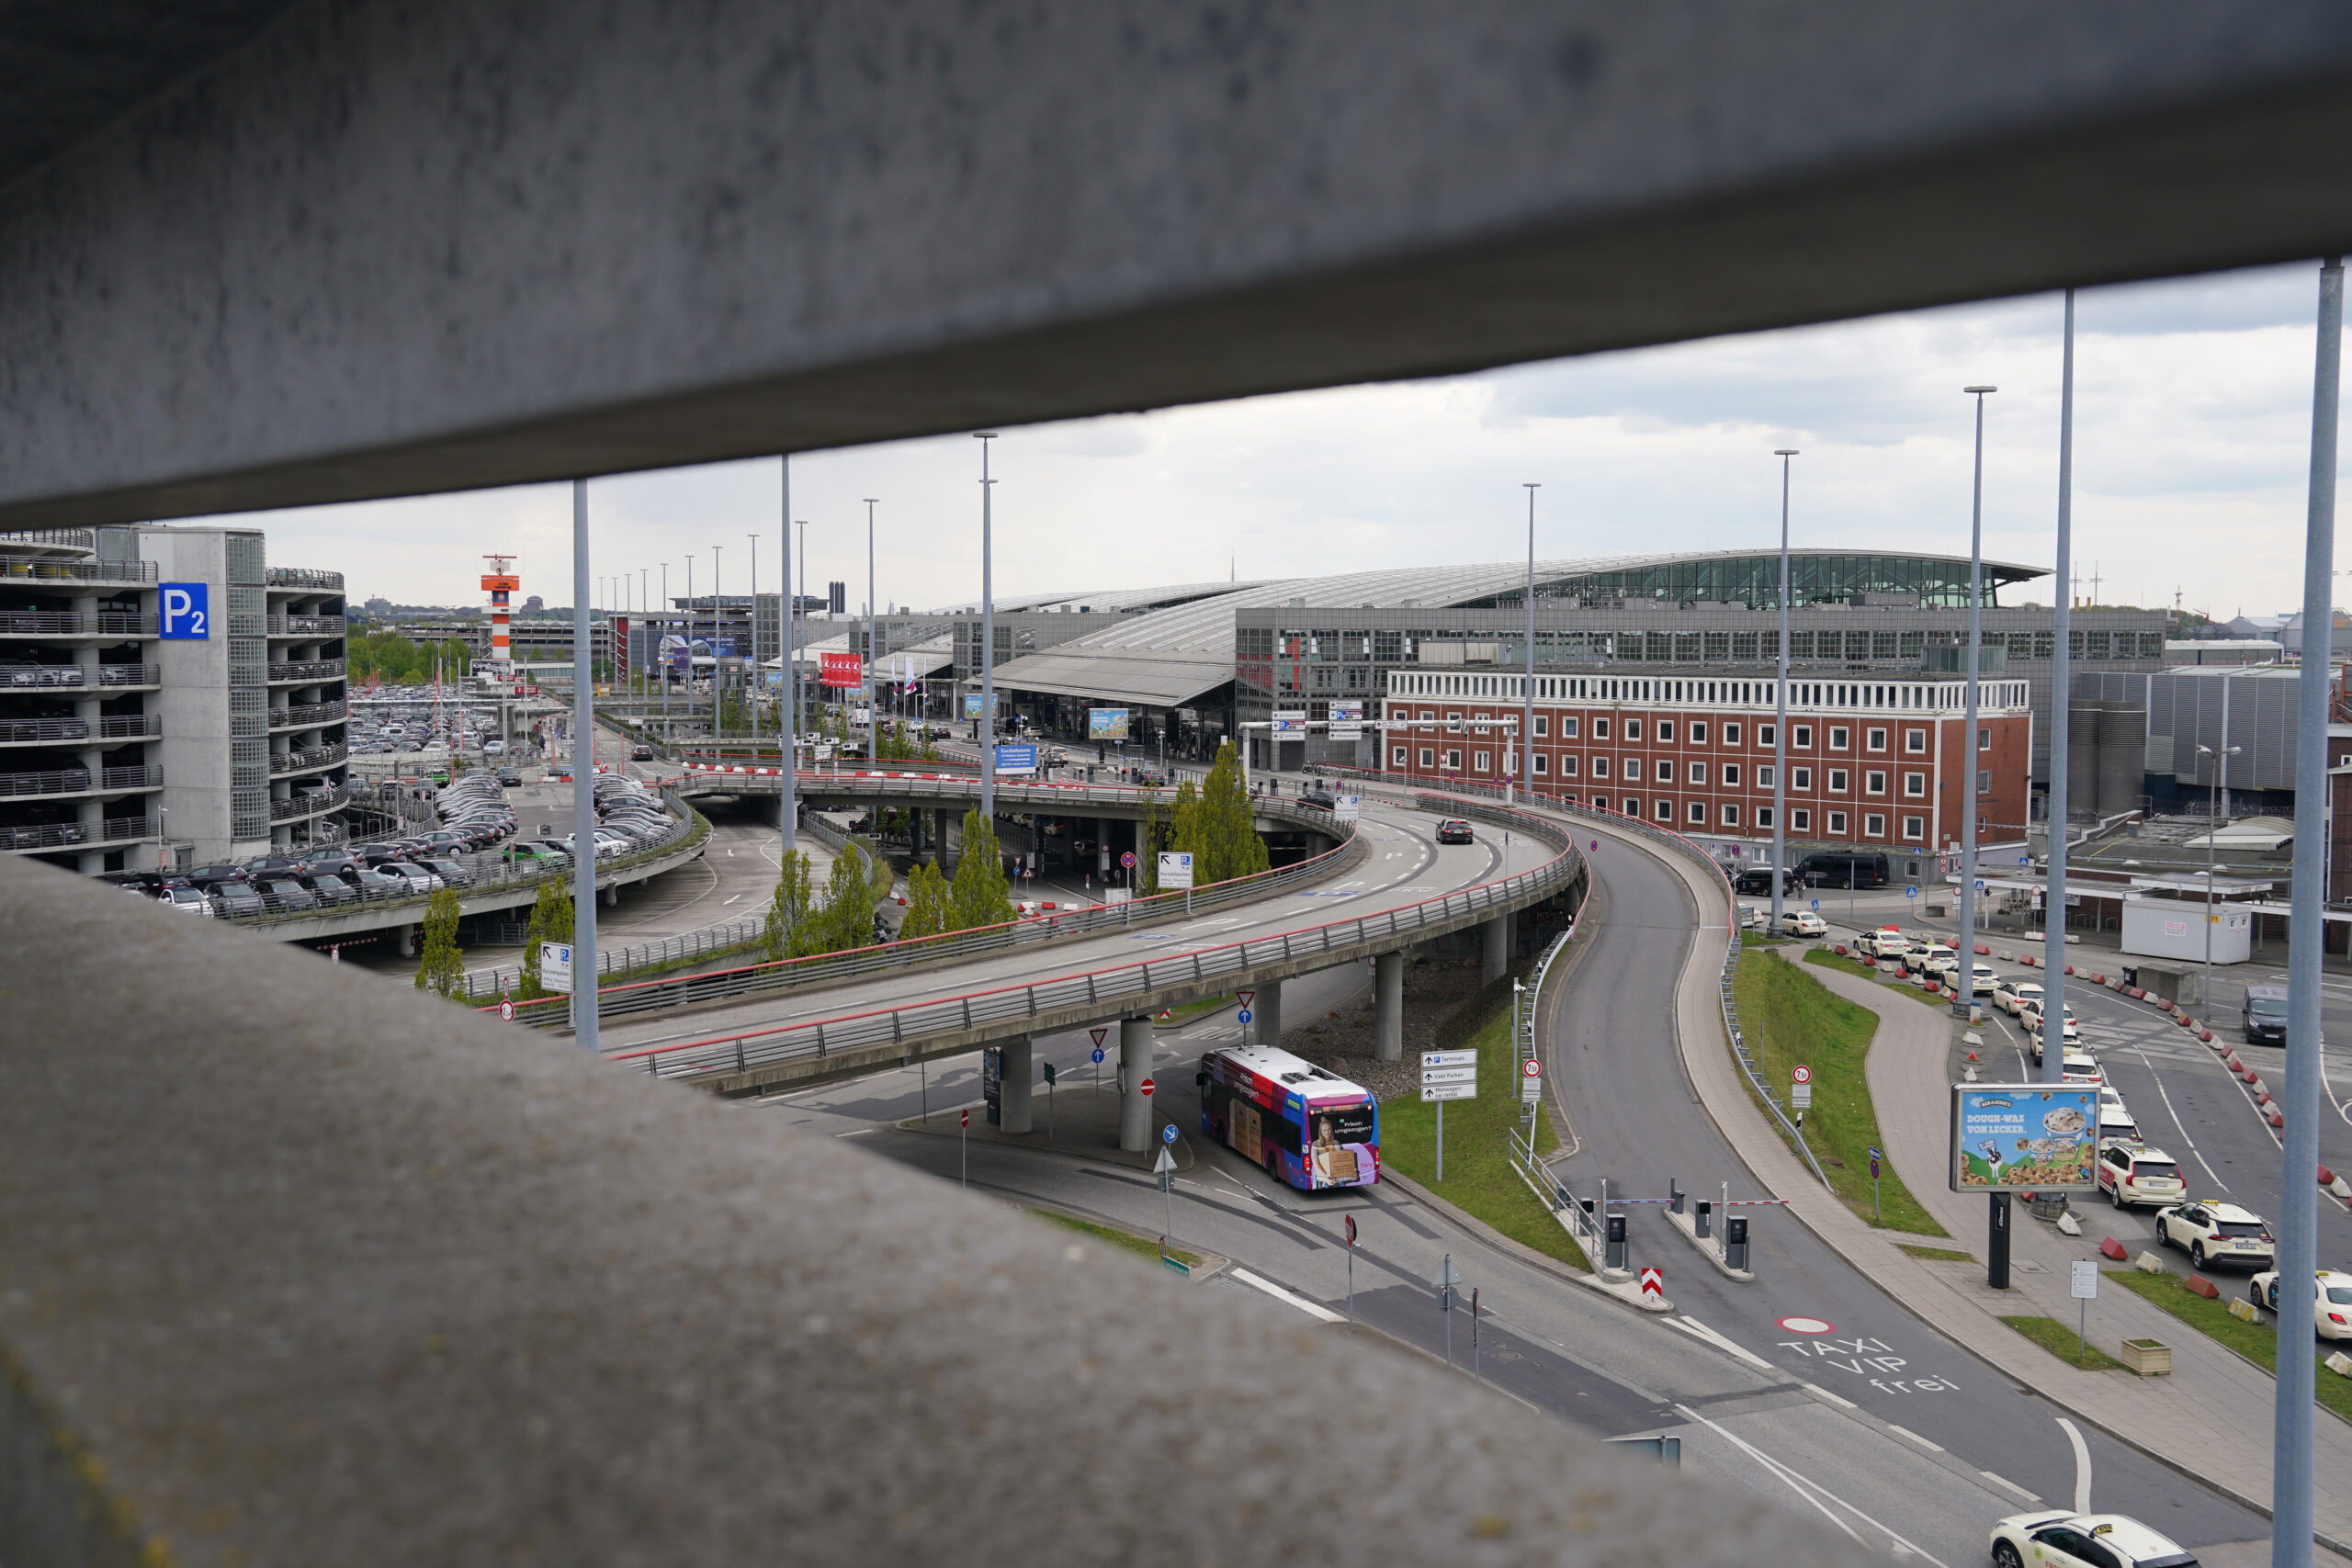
{"x": 1873, "y": 826}
{"x": 1873, "y": 783}
{"x": 1875, "y": 740}
{"x": 1915, "y": 740}
{"x": 1836, "y": 780}
{"x": 1915, "y": 827}
{"x": 1731, "y": 816}
{"x": 1836, "y": 824}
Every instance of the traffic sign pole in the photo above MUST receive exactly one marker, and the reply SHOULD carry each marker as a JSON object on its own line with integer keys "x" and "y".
{"x": 964, "y": 1138}
{"x": 1350, "y": 1221}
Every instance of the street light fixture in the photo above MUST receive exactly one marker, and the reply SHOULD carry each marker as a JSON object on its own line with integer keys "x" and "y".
{"x": 1780, "y": 710}
{"x": 873, "y": 648}
{"x": 987, "y": 726}
{"x": 1527, "y": 702}
{"x": 718, "y": 671}
{"x": 1963, "y": 1000}
{"x": 2053, "y": 898}
{"x": 2214, "y": 791}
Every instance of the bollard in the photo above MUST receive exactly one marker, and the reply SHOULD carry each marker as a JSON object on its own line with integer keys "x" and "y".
{"x": 1736, "y": 1241}
{"x": 1706, "y": 1210}
{"x": 1614, "y": 1254}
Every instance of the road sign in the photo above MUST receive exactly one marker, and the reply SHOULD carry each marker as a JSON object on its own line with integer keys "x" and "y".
{"x": 1814, "y": 905}
{"x": 1801, "y": 1097}
{"x": 1442, "y": 1091}
{"x": 506, "y": 1012}
{"x": 1168, "y": 1133}
{"x": 2083, "y": 1281}
{"x": 1175, "y": 868}
{"x": 964, "y": 1119}
{"x": 1241, "y": 1017}
{"x": 1980, "y": 884}
{"x": 1653, "y": 1282}
{"x": 1449, "y": 1058}
{"x": 1012, "y": 758}
{"x": 1049, "y": 1075}
{"x": 1245, "y": 997}
{"x": 1146, "y": 1088}
{"x": 186, "y": 612}
{"x": 1800, "y": 1074}
{"x": 1098, "y": 1054}
{"x": 1128, "y": 860}
{"x": 1447, "y": 1276}
{"x": 1099, "y": 1035}
{"x": 555, "y": 966}
{"x": 1448, "y": 1075}
{"x": 1350, "y": 1220}
{"x": 1875, "y": 1158}
{"x": 1911, "y": 893}
{"x": 1165, "y": 1165}
{"x": 1531, "y": 1079}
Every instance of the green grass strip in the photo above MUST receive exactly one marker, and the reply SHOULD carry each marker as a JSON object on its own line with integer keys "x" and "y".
{"x": 1479, "y": 1178}
{"x": 1861, "y": 971}
{"x": 1791, "y": 1018}
{"x": 2062, "y": 1342}
{"x": 2256, "y": 1341}
{"x": 1936, "y": 1253}
{"x": 1142, "y": 1245}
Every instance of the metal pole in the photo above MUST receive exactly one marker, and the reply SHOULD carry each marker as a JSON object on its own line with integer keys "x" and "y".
{"x": 690, "y": 645}
{"x": 1965, "y": 998}
{"x": 988, "y": 636}
{"x": 1441, "y": 1141}
{"x": 2053, "y": 897}
{"x": 873, "y": 650}
{"x": 1527, "y": 704}
{"x": 799, "y": 704}
{"x": 660, "y": 658}
{"x": 1780, "y": 710}
{"x": 752, "y": 623}
{"x": 2291, "y": 1510}
{"x": 788, "y": 731}
{"x": 717, "y": 674}
{"x": 583, "y": 787}
{"x": 642, "y": 609}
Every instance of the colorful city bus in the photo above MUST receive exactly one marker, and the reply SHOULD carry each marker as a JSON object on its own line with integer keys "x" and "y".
{"x": 1311, "y": 1127}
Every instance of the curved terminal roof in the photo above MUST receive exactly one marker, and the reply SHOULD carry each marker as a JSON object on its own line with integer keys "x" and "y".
{"x": 1172, "y": 655}
{"x": 1114, "y": 599}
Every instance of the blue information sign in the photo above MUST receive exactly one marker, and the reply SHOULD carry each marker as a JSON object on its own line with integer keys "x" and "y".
{"x": 1012, "y": 759}
{"x": 1098, "y": 1054}
{"x": 1911, "y": 893}
{"x": 1242, "y": 1016}
{"x": 1168, "y": 1133}
{"x": 186, "y": 611}
{"x": 1815, "y": 904}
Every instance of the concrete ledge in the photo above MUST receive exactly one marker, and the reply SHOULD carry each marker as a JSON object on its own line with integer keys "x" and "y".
{"x": 300, "y": 1269}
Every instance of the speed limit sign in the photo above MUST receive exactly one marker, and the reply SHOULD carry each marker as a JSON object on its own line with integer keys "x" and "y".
{"x": 506, "y": 1012}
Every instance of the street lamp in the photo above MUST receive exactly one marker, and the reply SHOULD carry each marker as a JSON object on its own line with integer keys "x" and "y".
{"x": 1527, "y": 702}
{"x": 792, "y": 665}
{"x": 872, "y": 649}
{"x": 660, "y": 654}
{"x": 690, "y": 644}
{"x": 1965, "y": 998}
{"x": 718, "y": 671}
{"x": 987, "y": 726}
{"x": 2053, "y": 898}
{"x": 2214, "y": 833}
{"x": 1780, "y": 710}
{"x": 752, "y": 625}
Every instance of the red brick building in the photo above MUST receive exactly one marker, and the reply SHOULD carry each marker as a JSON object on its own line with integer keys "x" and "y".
{"x": 1872, "y": 761}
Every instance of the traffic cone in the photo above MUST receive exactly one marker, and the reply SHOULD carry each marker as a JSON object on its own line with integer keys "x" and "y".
{"x": 1971, "y": 1055}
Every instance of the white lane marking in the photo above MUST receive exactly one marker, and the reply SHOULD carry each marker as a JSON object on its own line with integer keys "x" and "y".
{"x": 854, "y": 1132}
{"x": 1698, "y": 1330}
{"x": 1820, "y": 1393}
{"x": 2012, "y": 1487}
{"x": 1937, "y": 1448}
{"x": 724, "y": 902}
{"x": 2082, "y": 1466}
{"x": 1312, "y": 1309}
{"x": 2176, "y": 1121}
{"x": 1795, "y": 1479}
{"x": 1787, "y": 1478}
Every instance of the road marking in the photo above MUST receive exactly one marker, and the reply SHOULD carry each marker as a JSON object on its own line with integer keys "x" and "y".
{"x": 1819, "y": 1393}
{"x": 854, "y": 1132}
{"x": 724, "y": 902}
{"x": 1312, "y": 1309}
{"x": 2082, "y": 1466}
{"x": 1915, "y": 1436}
{"x": 1808, "y": 1325}
{"x": 2012, "y": 1487}
{"x": 1804, "y": 1488}
{"x": 1700, "y": 1331}
{"x": 2176, "y": 1121}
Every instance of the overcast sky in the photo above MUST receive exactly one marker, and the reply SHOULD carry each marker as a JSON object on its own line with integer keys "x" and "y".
{"x": 2192, "y": 434}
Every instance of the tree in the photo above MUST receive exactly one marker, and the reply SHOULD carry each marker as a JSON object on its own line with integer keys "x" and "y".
{"x": 788, "y": 908}
{"x": 550, "y": 922}
{"x": 847, "y": 920}
{"x": 980, "y": 897}
{"x": 439, "y": 966}
{"x": 929, "y": 904}
{"x": 1231, "y": 846}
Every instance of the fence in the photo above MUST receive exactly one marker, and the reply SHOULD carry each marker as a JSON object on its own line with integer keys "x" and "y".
{"x": 1339, "y": 940}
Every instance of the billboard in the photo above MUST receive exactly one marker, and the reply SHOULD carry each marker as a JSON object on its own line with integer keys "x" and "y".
{"x": 842, "y": 669}
{"x": 1347, "y": 720}
{"x": 1106, "y": 724}
{"x": 2023, "y": 1137}
{"x": 1010, "y": 759}
{"x": 971, "y": 704}
{"x": 724, "y": 648}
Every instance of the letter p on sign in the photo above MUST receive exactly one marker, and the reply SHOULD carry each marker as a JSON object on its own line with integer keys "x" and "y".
{"x": 186, "y": 611}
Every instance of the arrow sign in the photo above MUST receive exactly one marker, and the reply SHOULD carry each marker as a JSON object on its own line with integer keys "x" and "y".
{"x": 1449, "y": 1058}
{"x": 1653, "y": 1282}
{"x": 1098, "y": 1055}
{"x": 1448, "y": 1075}
{"x": 1242, "y": 1016}
{"x": 1168, "y": 1133}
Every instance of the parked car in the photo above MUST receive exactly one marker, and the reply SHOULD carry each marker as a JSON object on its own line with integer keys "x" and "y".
{"x": 1927, "y": 957}
{"x": 233, "y": 896}
{"x": 449, "y": 871}
{"x": 419, "y": 880}
{"x": 2331, "y": 1299}
{"x": 2263, "y": 1015}
{"x": 1758, "y": 879}
{"x": 2215, "y": 1233}
{"x": 1839, "y": 868}
{"x": 2010, "y": 994}
{"x": 1981, "y": 975}
{"x": 204, "y": 875}
{"x": 509, "y": 778}
{"x": 1802, "y": 922}
{"x": 329, "y": 888}
{"x": 373, "y": 883}
{"x": 1455, "y": 831}
{"x": 2129, "y": 1175}
{"x": 1884, "y": 942}
{"x": 2053, "y": 1538}
{"x": 285, "y": 893}
{"x": 186, "y": 900}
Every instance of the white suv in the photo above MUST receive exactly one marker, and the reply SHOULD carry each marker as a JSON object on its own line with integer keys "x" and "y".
{"x": 2131, "y": 1175}
{"x": 2215, "y": 1232}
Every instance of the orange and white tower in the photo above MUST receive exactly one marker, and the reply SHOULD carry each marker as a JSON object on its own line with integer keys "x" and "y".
{"x": 499, "y": 582}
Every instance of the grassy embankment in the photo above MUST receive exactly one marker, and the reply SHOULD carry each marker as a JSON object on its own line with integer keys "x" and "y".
{"x": 1855, "y": 967}
{"x": 1478, "y": 1173}
{"x": 1791, "y": 1018}
{"x": 2257, "y": 1342}
{"x": 2062, "y": 1342}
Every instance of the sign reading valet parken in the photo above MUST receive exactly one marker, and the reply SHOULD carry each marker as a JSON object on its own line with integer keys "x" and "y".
{"x": 2024, "y": 1137}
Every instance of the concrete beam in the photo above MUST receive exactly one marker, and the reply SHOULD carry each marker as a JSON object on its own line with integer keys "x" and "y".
{"x": 389, "y": 248}
{"x": 1136, "y": 1039}
{"x": 1389, "y": 1006}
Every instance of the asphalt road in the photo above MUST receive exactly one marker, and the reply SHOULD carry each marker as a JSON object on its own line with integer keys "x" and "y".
{"x": 1634, "y": 1120}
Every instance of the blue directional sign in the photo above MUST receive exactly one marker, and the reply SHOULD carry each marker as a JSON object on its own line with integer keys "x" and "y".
{"x": 1242, "y": 1016}
{"x": 1168, "y": 1133}
{"x": 1816, "y": 904}
{"x": 1098, "y": 1054}
{"x": 186, "y": 611}
{"x": 1910, "y": 893}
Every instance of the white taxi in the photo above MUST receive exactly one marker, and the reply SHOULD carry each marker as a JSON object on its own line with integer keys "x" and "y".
{"x": 1926, "y": 957}
{"x": 1802, "y": 922}
{"x": 2331, "y": 1299}
{"x": 2132, "y": 1174}
{"x": 2009, "y": 994}
{"x": 2215, "y": 1233}
{"x": 1884, "y": 942}
{"x": 2053, "y": 1538}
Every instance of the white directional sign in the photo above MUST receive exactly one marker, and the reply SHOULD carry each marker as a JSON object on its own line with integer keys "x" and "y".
{"x": 1449, "y": 1058}
{"x": 2083, "y": 1281}
{"x": 1449, "y": 1091}
{"x": 1448, "y": 1075}
{"x": 1347, "y": 808}
{"x": 1175, "y": 869}
{"x": 555, "y": 966}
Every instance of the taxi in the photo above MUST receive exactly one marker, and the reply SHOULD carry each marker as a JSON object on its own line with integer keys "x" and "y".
{"x": 2216, "y": 1233}
{"x": 2131, "y": 1173}
{"x": 2053, "y": 1538}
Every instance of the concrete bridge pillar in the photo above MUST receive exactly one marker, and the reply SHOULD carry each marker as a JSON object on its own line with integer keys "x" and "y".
{"x": 1014, "y": 1070}
{"x": 609, "y": 897}
{"x": 1267, "y": 1013}
{"x": 1494, "y": 949}
{"x": 1389, "y": 1006}
{"x": 939, "y": 831}
{"x": 409, "y": 940}
{"x": 1136, "y": 1037}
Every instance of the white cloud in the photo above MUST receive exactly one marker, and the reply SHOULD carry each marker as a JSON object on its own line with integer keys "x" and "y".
{"x": 2192, "y": 426}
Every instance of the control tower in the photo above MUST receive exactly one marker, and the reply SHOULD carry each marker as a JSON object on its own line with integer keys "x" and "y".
{"x": 500, "y": 582}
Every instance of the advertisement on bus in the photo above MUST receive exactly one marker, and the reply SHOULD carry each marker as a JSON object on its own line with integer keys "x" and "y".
{"x": 1328, "y": 1139}
{"x": 1106, "y": 724}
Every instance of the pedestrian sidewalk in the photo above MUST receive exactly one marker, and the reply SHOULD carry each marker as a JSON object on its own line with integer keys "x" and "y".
{"x": 2211, "y": 1418}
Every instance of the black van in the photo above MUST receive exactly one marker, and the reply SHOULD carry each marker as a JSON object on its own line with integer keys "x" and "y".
{"x": 2263, "y": 1014}
{"x": 1838, "y": 868}
{"x": 1757, "y": 879}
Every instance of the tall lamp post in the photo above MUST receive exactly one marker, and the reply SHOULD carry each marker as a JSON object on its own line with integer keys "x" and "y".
{"x": 1964, "y": 997}
{"x": 752, "y": 625}
{"x": 873, "y": 648}
{"x": 2053, "y": 898}
{"x": 1780, "y": 710}
{"x": 787, "y": 754}
{"x": 1527, "y": 702}
{"x": 988, "y": 638}
{"x": 792, "y": 672}
{"x": 661, "y": 655}
{"x": 2215, "y": 792}
{"x": 690, "y": 644}
{"x": 644, "y": 607}
{"x": 583, "y": 783}
{"x": 718, "y": 671}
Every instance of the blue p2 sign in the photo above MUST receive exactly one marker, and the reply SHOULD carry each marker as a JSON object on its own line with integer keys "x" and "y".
{"x": 187, "y": 612}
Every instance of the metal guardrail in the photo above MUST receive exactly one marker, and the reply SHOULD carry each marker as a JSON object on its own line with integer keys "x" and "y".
{"x": 308, "y": 803}
{"x": 310, "y": 670}
{"x": 53, "y": 623}
{"x": 304, "y": 625}
{"x": 19, "y": 676}
{"x": 303, "y": 716}
{"x": 1021, "y": 1000}
{"x": 55, "y": 539}
{"x": 302, "y": 577}
{"x": 111, "y": 726}
{"x": 77, "y": 781}
{"x": 284, "y": 763}
{"x": 65, "y": 835}
{"x": 37, "y": 568}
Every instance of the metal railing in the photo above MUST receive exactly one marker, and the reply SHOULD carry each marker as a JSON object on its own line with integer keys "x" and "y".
{"x": 77, "y": 781}
{"x": 304, "y": 625}
{"x": 112, "y": 726}
{"x": 56, "y": 539}
{"x": 303, "y": 716}
{"x": 65, "y": 835}
{"x": 284, "y": 763}
{"x": 308, "y": 803}
{"x": 302, "y": 577}
{"x": 38, "y": 569}
{"x": 649, "y": 996}
{"x": 310, "y": 670}
{"x": 51, "y": 623}
{"x": 126, "y": 675}
{"x": 1022, "y": 1001}
{"x": 17, "y": 677}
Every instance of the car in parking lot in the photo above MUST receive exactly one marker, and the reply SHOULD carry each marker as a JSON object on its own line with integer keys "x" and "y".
{"x": 2263, "y": 1015}
{"x": 2010, "y": 994}
{"x": 1981, "y": 975}
{"x": 418, "y": 878}
{"x": 2217, "y": 1233}
{"x": 1923, "y": 957}
{"x": 233, "y": 896}
{"x": 2129, "y": 1173}
{"x": 1802, "y": 922}
{"x": 2331, "y": 1299}
{"x": 449, "y": 871}
{"x": 509, "y": 778}
{"x": 2053, "y": 1537}
{"x": 1758, "y": 879}
{"x": 373, "y": 883}
{"x": 285, "y": 893}
{"x": 1884, "y": 942}
{"x": 641, "y": 753}
{"x": 329, "y": 888}
{"x": 186, "y": 900}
